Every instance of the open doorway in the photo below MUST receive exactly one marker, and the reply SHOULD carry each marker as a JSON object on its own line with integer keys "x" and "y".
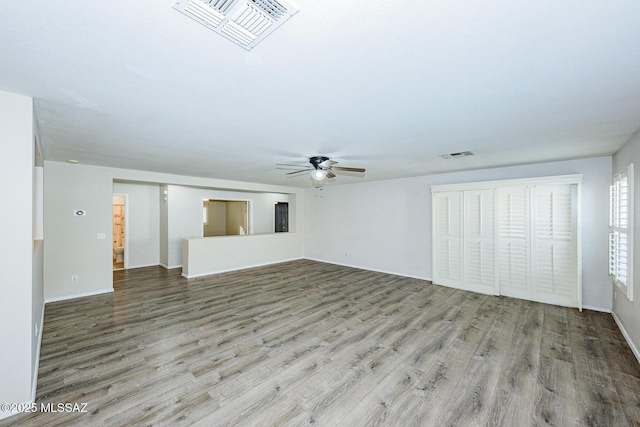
{"x": 119, "y": 210}
{"x": 225, "y": 218}
{"x": 282, "y": 217}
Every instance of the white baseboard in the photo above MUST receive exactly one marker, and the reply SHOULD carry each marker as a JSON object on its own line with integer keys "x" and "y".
{"x": 4, "y": 415}
{"x": 193, "y": 276}
{"x": 129, "y": 267}
{"x": 169, "y": 267}
{"x": 627, "y": 337}
{"x": 86, "y": 294}
{"x": 395, "y": 273}
{"x": 594, "y": 308}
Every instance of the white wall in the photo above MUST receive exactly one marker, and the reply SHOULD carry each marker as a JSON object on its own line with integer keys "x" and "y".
{"x": 627, "y": 313}
{"x": 209, "y": 255}
{"x": 142, "y": 223}
{"x": 264, "y": 216}
{"x": 185, "y": 214}
{"x": 71, "y": 244}
{"x": 37, "y": 272}
{"x": 386, "y": 225}
{"x": 164, "y": 226}
{"x": 185, "y": 220}
{"x": 21, "y": 300}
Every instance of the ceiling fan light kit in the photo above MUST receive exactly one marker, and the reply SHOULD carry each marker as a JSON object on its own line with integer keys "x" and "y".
{"x": 318, "y": 174}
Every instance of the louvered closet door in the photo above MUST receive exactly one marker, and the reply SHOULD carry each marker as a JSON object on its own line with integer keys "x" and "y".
{"x": 513, "y": 242}
{"x": 479, "y": 241}
{"x": 448, "y": 238}
{"x": 554, "y": 230}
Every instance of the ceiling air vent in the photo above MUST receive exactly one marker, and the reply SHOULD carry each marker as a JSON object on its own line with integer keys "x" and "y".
{"x": 245, "y": 22}
{"x": 455, "y": 155}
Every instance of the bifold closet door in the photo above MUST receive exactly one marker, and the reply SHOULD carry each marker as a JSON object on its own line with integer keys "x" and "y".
{"x": 480, "y": 242}
{"x": 513, "y": 242}
{"x": 537, "y": 243}
{"x": 554, "y": 246}
{"x": 447, "y": 232}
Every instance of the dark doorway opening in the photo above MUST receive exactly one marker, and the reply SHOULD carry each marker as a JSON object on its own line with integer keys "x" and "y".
{"x": 282, "y": 217}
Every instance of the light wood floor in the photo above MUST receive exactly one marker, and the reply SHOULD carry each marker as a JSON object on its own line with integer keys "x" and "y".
{"x": 306, "y": 343}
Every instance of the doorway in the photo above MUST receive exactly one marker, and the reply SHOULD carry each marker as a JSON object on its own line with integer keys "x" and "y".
{"x": 119, "y": 211}
{"x": 282, "y": 217}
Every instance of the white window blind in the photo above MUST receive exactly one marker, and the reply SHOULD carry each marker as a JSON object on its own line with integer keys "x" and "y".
{"x": 621, "y": 231}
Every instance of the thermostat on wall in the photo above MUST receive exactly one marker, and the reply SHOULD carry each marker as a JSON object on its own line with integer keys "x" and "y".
{"x": 79, "y": 212}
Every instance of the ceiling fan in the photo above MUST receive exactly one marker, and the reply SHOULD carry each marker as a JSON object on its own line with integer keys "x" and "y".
{"x": 321, "y": 167}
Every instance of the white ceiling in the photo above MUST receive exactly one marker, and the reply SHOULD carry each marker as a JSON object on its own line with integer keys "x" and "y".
{"x": 386, "y": 85}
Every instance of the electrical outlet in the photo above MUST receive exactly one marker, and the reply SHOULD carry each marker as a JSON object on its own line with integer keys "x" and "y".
{"x": 102, "y": 236}
{"x": 74, "y": 279}
{"x": 36, "y": 329}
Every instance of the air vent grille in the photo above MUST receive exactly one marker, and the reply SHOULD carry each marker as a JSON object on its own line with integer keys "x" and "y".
{"x": 208, "y": 15}
{"x": 271, "y": 7}
{"x": 458, "y": 154}
{"x": 245, "y": 22}
{"x": 237, "y": 33}
{"x": 221, "y": 6}
{"x": 252, "y": 20}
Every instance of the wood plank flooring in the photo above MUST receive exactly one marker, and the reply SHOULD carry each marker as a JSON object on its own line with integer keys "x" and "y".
{"x": 307, "y": 343}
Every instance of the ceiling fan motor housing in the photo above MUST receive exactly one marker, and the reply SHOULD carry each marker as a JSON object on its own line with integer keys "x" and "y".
{"x": 317, "y": 160}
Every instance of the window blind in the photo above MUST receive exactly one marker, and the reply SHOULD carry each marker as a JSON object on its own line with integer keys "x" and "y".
{"x": 621, "y": 233}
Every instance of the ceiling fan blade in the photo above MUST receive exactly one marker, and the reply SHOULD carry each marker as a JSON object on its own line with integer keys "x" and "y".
{"x": 339, "y": 168}
{"x": 330, "y": 174}
{"x": 290, "y": 165}
{"x": 327, "y": 163}
{"x": 297, "y": 172}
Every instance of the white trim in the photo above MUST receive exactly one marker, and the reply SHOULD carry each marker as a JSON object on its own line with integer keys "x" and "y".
{"x": 143, "y": 266}
{"x": 483, "y": 185}
{"x": 434, "y": 265}
{"x": 614, "y": 227}
{"x": 125, "y": 258}
{"x": 627, "y": 337}
{"x": 579, "y": 249}
{"x": 193, "y": 276}
{"x": 86, "y": 294}
{"x": 376, "y": 270}
{"x": 594, "y": 308}
{"x": 169, "y": 267}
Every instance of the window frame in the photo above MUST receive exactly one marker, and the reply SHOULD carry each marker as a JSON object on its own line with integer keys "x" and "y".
{"x": 621, "y": 234}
